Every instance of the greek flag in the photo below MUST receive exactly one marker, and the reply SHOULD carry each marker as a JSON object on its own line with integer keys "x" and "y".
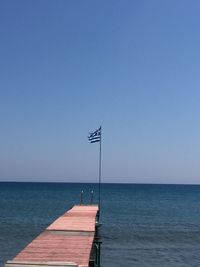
{"x": 95, "y": 136}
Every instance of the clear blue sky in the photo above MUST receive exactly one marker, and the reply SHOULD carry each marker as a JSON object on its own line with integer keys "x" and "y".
{"x": 67, "y": 67}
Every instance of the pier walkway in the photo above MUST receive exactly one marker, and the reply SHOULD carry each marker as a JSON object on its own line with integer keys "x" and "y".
{"x": 71, "y": 240}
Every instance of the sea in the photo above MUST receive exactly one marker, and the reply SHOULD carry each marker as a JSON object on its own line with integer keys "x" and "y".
{"x": 143, "y": 225}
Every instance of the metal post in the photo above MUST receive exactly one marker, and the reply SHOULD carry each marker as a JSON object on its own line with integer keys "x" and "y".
{"x": 99, "y": 254}
{"x": 97, "y": 244}
{"x": 81, "y": 200}
{"x": 91, "y": 197}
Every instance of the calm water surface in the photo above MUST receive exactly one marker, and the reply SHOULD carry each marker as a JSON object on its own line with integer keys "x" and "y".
{"x": 143, "y": 225}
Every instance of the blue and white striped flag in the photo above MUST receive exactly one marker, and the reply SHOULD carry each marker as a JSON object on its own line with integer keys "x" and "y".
{"x": 95, "y": 136}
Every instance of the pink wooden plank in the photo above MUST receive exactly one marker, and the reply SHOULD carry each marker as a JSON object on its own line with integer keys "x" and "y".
{"x": 55, "y": 245}
{"x": 79, "y": 218}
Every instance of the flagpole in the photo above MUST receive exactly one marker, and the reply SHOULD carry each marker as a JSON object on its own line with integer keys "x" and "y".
{"x": 93, "y": 138}
{"x": 100, "y": 171}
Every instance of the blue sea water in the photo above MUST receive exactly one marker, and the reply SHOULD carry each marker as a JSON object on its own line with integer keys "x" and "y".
{"x": 143, "y": 225}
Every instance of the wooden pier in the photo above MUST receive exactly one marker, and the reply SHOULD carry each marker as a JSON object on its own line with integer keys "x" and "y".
{"x": 71, "y": 240}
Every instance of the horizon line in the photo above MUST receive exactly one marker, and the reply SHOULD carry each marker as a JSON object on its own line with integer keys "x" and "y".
{"x": 123, "y": 183}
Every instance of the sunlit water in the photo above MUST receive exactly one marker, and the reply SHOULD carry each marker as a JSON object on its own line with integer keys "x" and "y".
{"x": 143, "y": 225}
